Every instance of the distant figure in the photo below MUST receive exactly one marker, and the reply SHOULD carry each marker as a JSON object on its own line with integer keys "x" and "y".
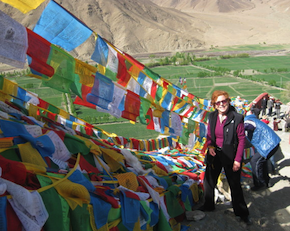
{"x": 278, "y": 107}
{"x": 264, "y": 105}
{"x": 287, "y": 112}
{"x": 255, "y": 110}
{"x": 275, "y": 124}
{"x": 180, "y": 80}
{"x": 270, "y": 105}
{"x": 287, "y": 123}
{"x": 266, "y": 142}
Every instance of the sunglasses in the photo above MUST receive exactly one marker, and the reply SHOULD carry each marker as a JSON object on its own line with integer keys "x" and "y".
{"x": 218, "y": 103}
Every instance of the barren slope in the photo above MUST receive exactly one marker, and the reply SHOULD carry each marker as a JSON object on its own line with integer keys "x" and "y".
{"x": 223, "y": 6}
{"x": 147, "y": 26}
{"x": 133, "y": 26}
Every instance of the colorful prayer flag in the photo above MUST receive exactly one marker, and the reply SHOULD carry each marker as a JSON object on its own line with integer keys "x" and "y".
{"x": 61, "y": 28}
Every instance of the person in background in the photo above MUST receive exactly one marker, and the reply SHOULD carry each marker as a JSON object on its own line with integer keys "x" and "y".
{"x": 275, "y": 124}
{"x": 287, "y": 112}
{"x": 277, "y": 108}
{"x": 255, "y": 110}
{"x": 287, "y": 123}
{"x": 265, "y": 119}
{"x": 226, "y": 142}
{"x": 266, "y": 142}
{"x": 272, "y": 158}
{"x": 270, "y": 105}
{"x": 264, "y": 105}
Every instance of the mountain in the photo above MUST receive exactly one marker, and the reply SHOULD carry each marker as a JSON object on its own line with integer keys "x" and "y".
{"x": 147, "y": 26}
{"x": 222, "y": 6}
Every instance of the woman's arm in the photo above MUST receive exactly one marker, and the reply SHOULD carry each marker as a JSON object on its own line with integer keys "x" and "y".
{"x": 241, "y": 139}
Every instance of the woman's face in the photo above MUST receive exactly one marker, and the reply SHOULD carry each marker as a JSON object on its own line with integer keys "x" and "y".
{"x": 222, "y": 104}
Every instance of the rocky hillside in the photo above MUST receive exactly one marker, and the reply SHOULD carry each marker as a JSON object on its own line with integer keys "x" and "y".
{"x": 224, "y": 6}
{"x": 146, "y": 26}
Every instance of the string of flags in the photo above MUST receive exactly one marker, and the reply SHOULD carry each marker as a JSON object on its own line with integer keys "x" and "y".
{"x": 57, "y": 170}
{"x": 138, "y": 92}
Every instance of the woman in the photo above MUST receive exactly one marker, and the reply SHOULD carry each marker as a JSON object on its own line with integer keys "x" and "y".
{"x": 226, "y": 141}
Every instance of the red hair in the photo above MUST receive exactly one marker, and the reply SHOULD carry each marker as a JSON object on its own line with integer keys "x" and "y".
{"x": 218, "y": 93}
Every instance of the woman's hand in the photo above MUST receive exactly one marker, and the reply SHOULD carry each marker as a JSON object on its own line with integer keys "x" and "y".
{"x": 236, "y": 166}
{"x": 212, "y": 151}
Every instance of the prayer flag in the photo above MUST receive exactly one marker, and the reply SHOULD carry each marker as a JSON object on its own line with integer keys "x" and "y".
{"x": 132, "y": 106}
{"x": 13, "y": 42}
{"x": 64, "y": 78}
{"x": 60, "y": 27}
{"x": 102, "y": 92}
{"x": 38, "y": 52}
{"x": 101, "y": 51}
{"x": 83, "y": 101}
{"x": 24, "y": 5}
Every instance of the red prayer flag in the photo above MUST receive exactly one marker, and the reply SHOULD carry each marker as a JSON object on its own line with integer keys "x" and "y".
{"x": 132, "y": 106}
{"x": 38, "y": 50}
{"x": 123, "y": 76}
{"x": 85, "y": 91}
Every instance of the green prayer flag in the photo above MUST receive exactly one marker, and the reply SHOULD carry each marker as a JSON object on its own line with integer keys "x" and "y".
{"x": 64, "y": 70}
{"x": 11, "y": 154}
{"x": 80, "y": 219}
{"x": 56, "y": 206}
{"x": 162, "y": 223}
{"x": 75, "y": 145}
{"x": 114, "y": 214}
{"x": 174, "y": 209}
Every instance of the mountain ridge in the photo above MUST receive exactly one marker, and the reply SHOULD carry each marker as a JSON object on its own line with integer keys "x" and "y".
{"x": 148, "y": 26}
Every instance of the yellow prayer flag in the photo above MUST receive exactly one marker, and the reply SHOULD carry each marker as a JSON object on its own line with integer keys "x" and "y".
{"x": 137, "y": 226}
{"x": 35, "y": 168}
{"x": 74, "y": 194}
{"x": 176, "y": 226}
{"x": 158, "y": 113}
{"x": 134, "y": 72}
{"x": 179, "y": 105}
{"x": 64, "y": 114}
{"x": 194, "y": 191}
{"x": 9, "y": 87}
{"x": 159, "y": 171}
{"x": 6, "y": 142}
{"x": 24, "y": 5}
{"x": 30, "y": 155}
{"x": 101, "y": 69}
{"x": 113, "y": 159}
{"x": 4, "y": 96}
{"x": 32, "y": 111}
{"x": 86, "y": 72}
{"x": 128, "y": 180}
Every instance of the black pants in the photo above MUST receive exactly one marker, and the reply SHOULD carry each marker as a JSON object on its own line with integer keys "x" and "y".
{"x": 259, "y": 166}
{"x": 212, "y": 173}
{"x": 270, "y": 111}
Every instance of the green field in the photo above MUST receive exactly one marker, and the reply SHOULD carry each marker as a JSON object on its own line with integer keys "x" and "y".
{"x": 258, "y": 47}
{"x": 199, "y": 86}
{"x": 257, "y": 63}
